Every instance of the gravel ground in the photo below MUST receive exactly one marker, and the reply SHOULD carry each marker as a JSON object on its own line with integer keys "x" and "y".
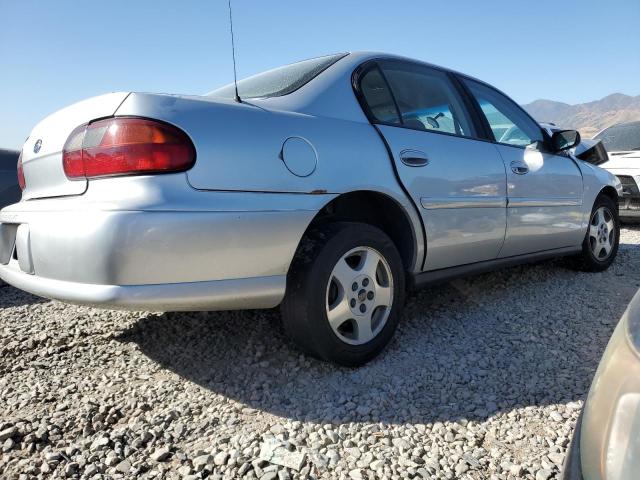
{"x": 484, "y": 379}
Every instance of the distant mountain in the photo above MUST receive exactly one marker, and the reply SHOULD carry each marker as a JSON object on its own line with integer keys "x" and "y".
{"x": 589, "y": 118}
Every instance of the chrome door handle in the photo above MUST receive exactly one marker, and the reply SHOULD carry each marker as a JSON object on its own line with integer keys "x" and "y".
{"x": 519, "y": 168}
{"x": 414, "y": 158}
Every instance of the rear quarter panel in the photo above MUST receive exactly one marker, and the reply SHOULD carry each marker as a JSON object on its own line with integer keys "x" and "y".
{"x": 239, "y": 146}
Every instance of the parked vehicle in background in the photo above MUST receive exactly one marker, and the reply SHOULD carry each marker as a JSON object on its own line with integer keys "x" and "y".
{"x": 331, "y": 186}
{"x": 622, "y": 142}
{"x": 606, "y": 442}
{"x": 9, "y": 188}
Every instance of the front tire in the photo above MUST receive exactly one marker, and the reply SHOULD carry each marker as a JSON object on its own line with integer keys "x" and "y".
{"x": 345, "y": 291}
{"x": 602, "y": 239}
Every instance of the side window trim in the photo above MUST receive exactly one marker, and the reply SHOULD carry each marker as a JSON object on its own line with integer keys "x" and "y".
{"x": 393, "y": 97}
{"x": 356, "y": 78}
{"x": 473, "y": 107}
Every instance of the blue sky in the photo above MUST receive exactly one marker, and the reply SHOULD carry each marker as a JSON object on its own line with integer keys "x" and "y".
{"x": 56, "y": 52}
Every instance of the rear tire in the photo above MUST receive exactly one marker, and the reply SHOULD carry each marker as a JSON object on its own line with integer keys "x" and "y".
{"x": 602, "y": 238}
{"x": 345, "y": 291}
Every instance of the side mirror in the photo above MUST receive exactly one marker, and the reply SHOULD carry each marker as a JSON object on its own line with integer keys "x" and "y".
{"x": 564, "y": 140}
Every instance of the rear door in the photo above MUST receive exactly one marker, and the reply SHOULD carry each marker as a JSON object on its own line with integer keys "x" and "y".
{"x": 457, "y": 181}
{"x": 544, "y": 209}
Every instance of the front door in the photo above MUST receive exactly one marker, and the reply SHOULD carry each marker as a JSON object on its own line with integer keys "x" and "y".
{"x": 457, "y": 181}
{"x": 544, "y": 209}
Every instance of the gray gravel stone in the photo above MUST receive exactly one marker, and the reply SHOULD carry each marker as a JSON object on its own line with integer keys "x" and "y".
{"x": 516, "y": 470}
{"x": 543, "y": 474}
{"x": 91, "y": 470}
{"x": 161, "y": 454}
{"x": 52, "y": 456}
{"x": 201, "y": 461}
{"x": 357, "y": 474}
{"x": 8, "y": 433}
{"x": 556, "y": 416}
{"x": 221, "y": 458}
{"x": 283, "y": 475}
{"x": 8, "y": 444}
{"x": 557, "y": 458}
{"x": 185, "y": 470}
{"x": 70, "y": 469}
{"x": 275, "y": 452}
{"x": 124, "y": 467}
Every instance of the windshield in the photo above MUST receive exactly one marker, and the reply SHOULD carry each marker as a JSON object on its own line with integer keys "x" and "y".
{"x": 279, "y": 81}
{"x": 620, "y": 138}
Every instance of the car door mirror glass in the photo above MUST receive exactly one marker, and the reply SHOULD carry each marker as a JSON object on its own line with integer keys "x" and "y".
{"x": 565, "y": 139}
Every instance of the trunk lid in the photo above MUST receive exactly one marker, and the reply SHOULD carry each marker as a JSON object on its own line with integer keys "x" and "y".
{"x": 42, "y": 152}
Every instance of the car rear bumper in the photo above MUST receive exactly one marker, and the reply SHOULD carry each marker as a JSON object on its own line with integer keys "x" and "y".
{"x": 163, "y": 260}
{"x": 238, "y": 293}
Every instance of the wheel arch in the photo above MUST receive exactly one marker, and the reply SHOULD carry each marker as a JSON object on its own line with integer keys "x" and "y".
{"x": 610, "y": 192}
{"x": 383, "y": 211}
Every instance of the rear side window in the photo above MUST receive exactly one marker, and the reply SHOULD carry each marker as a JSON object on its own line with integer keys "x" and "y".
{"x": 508, "y": 122}
{"x": 378, "y": 97}
{"x": 427, "y": 99}
{"x": 279, "y": 81}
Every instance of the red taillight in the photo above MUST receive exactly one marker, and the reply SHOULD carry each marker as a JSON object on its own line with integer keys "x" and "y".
{"x": 126, "y": 146}
{"x": 21, "y": 181}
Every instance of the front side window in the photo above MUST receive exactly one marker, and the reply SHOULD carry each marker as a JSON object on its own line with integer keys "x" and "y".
{"x": 427, "y": 99}
{"x": 279, "y": 81}
{"x": 508, "y": 122}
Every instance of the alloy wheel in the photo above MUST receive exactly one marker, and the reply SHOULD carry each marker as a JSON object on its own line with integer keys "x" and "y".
{"x": 602, "y": 233}
{"x": 359, "y": 295}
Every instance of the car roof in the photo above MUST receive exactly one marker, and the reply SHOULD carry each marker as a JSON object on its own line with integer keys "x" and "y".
{"x": 329, "y": 95}
{"x": 361, "y": 56}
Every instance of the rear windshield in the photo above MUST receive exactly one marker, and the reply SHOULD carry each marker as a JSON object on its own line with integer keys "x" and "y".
{"x": 621, "y": 138}
{"x": 279, "y": 81}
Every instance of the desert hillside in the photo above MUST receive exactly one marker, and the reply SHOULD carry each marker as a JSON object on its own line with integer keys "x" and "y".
{"x": 589, "y": 118}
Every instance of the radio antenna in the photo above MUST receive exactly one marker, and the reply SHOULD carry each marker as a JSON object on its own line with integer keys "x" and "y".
{"x": 233, "y": 54}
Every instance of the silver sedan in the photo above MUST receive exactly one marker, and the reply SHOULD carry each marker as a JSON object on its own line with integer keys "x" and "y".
{"x": 329, "y": 187}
